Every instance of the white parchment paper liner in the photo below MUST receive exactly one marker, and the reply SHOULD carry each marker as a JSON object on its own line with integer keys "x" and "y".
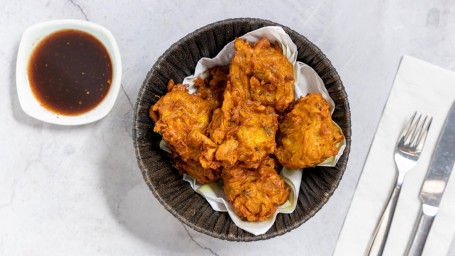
{"x": 306, "y": 81}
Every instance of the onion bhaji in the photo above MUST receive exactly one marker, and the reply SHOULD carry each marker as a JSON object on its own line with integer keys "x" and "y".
{"x": 307, "y": 135}
{"x": 212, "y": 88}
{"x": 255, "y": 194}
{"x": 262, "y": 73}
{"x": 182, "y": 120}
{"x": 241, "y": 69}
{"x": 244, "y": 132}
{"x": 195, "y": 170}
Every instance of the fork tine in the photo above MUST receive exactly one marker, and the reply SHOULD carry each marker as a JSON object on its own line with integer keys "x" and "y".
{"x": 411, "y": 133}
{"x": 423, "y": 136}
{"x": 406, "y": 129}
{"x": 417, "y": 133}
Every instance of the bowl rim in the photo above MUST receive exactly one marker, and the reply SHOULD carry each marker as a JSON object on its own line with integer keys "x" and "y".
{"x": 31, "y": 38}
{"x": 144, "y": 169}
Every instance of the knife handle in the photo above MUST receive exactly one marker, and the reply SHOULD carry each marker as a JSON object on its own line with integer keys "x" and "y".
{"x": 421, "y": 230}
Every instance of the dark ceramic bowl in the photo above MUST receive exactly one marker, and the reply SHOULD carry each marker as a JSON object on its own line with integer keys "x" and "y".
{"x": 176, "y": 195}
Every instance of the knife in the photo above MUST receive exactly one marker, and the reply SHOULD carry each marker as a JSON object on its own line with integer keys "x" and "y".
{"x": 434, "y": 185}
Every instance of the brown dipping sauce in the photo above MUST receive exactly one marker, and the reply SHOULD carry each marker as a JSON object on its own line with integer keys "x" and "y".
{"x": 70, "y": 72}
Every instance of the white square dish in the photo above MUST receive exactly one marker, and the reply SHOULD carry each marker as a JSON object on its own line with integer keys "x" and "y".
{"x": 31, "y": 37}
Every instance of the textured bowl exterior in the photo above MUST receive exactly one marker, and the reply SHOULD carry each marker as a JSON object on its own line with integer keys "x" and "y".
{"x": 167, "y": 185}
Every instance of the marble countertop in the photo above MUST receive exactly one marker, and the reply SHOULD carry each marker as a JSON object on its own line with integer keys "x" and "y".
{"x": 78, "y": 190}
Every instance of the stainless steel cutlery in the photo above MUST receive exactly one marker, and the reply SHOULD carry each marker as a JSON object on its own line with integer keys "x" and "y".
{"x": 434, "y": 185}
{"x": 407, "y": 152}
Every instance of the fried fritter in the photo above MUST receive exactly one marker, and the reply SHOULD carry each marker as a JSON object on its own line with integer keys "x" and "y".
{"x": 262, "y": 73}
{"x": 241, "y": 69}
{"x": 212, "y": 88}
{"x": 195, "y": 170}
{"x": 307, "y": 135}
{"x": 255, "y": 194}
{"x": 182, "y": 120}
{"x": 244, "y": 132}
{"x": 216, "y": 131}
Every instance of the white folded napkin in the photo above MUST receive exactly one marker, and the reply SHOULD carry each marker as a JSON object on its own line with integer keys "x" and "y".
{"x": 428, "y": 89}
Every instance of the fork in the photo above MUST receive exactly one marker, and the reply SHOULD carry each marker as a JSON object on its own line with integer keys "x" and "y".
{"x": 407, "y": 152}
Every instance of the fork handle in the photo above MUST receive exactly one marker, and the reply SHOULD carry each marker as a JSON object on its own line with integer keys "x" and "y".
{"x": 379, "y": 238}
{"x": 421, "y": 230}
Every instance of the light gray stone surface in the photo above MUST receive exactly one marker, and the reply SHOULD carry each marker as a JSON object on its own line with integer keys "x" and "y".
{"x": 78, "y": 190}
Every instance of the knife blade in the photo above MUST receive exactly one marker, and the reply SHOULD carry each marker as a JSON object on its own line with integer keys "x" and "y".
{"x": 441, "y": 164}
{"x": 434, "y": 184}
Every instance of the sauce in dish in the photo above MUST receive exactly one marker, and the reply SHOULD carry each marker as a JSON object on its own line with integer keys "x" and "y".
{"x": 70, "y": 72}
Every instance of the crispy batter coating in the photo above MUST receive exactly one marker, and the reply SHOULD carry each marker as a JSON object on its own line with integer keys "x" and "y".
{"x": 244, "y": 132}
{"x": 255, "y": 194}
{"x": 182, "y": 120}
{"x": 307, "y": 135}
{"x": 195, "y": 170}
{"x": 241, "y": 69}
{"x": 262, "y": 73}
{"x": 212, "y": 88}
